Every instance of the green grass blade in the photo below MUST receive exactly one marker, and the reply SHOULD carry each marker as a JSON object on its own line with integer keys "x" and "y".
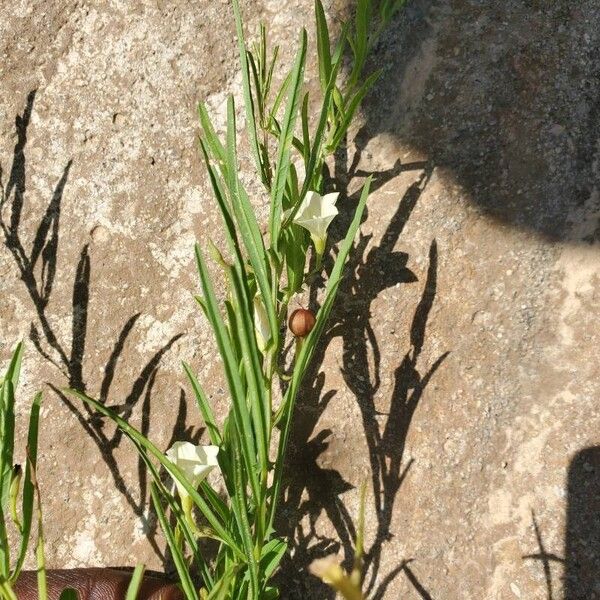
{"x": 136, "y": 582}
{"x": 248, "y": 100}
{"x": 180, "y": 564}
{"x": 238, "y": 394}
{"x": 7, "y": 438}
{"x": 323, "y": 45}
{"x": 14, "y": 368}
{"x": 28, "y": 497}
{"x": 212, "y": 139}
{"x": 351, "y": 108}
{"x": 204, "y": 406}
{"x": 285, "y": 143}
{"x": 248, "y": 226}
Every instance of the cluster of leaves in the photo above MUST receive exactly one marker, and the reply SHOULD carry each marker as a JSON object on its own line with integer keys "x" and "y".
{"x": 11, "y": 477}
{"x": 261, "y": 273}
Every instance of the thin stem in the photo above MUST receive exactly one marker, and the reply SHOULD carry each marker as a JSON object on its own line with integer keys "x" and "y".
{"x": 7, "y": 591}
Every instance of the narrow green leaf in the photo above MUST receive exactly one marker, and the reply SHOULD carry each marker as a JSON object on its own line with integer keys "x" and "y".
{"x": 248, "y": 100}
{"x": 221, "y": 590}
{"x": 296, "y": 245}
{"x": 4, "y": 549}
{"x": 313, "y": 175}
{"x": 221, "y": 197}
{"x": 323, "y": 45}
{"x": 257, "y": 86}
{"x": 180, "y": 564}
{"x": 204, "y": 406}
{"x": 280, "y": 96}
{"x": 14, "y": 368}
{"x": 271, "y": 556}
{"x": 270, "y": 593}
{"x": 314, "y": 163}
{"x": 242, "y": 513}
{"x": 269, "y": 78}
{"x": 219, "y": 506}
{"x": 28, "y": 486}
{"x": 362, "y": 23}
{"x": 285, "y": 143}
{"x": 69, "y": 594}
{"x": 39, "y": 549}
{"x": 248, "y": 227}
{"x": 351, "y": 109}
{"x": 136, "y": 582}
{"x": 212, "y": 139}
{"x": 238, "y": 395}
{"x": 7, "y": 438}
{"x": 252, "y": 368}
{"x": 305, "y": 132}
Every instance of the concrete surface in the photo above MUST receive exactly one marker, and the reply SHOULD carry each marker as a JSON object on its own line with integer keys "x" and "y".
{"x": 460, "y": 377}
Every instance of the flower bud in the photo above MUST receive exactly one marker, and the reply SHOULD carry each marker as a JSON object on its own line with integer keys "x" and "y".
{"x": 301, "y": 322}
{"x": 15, "y": 486}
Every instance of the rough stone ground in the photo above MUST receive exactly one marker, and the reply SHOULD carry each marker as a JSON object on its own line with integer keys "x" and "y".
{"x": 461, "y": 375}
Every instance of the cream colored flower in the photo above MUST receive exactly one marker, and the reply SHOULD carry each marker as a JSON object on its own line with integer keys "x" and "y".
{"x": 196, "y": 462}
{"x": 261, "y": 324}
{"x": 315, "y": 214}
{"x": 330, "y": 572}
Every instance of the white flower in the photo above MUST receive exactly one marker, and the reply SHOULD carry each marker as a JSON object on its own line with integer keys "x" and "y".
{"x": 262, "y": 328}
{"x": 196, "y": 462}
{"x": 315, "y": 214}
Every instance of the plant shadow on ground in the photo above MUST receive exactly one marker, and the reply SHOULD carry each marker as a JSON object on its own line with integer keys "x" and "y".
{"x": 312, "y": 490}
{"x": 503, "y": 98}
{"x": 37, "y": 268}
{"x": 581, "y": 562}
{"x": 493, "y": 117}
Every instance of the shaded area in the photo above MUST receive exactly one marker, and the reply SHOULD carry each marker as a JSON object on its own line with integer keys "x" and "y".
{"x": 311, "y": 490}
{"x": 504, "y": 98}
{"x": 582, "y": 544}
{"x": 37, "y": 268}
{"x": 580, "y": 566}
{"x": 545, "y": 558}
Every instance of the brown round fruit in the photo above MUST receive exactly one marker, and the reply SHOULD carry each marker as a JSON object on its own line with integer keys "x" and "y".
{"x": 301, "y": 322}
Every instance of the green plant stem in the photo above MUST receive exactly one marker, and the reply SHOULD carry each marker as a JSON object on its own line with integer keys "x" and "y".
{"x": 7, "y": 591}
